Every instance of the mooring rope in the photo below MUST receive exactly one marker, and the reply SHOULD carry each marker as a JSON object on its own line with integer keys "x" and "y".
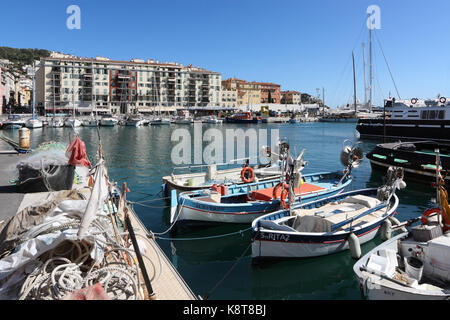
{"x": 208, "y": 294}
{"x": 241, "y": 232}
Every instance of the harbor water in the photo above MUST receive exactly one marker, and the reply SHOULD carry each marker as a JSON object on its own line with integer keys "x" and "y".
{"x": 141, "y": 156}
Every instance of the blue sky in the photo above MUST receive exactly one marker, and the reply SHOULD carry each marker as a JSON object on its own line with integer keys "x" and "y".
{"x": 302, "y": 45}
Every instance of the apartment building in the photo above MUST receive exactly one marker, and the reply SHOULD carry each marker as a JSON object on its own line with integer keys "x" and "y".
{"x": 229, "y": 98}
{"x": 291, "y": 97}
{"x": 247, "y": 92}
{"x": 65, "y": 83}
{"x": 7, "y": 87}
{"x": 270, "y": 92}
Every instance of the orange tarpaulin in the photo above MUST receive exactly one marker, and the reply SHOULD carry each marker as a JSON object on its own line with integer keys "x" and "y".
{"x": 267, "y": 194}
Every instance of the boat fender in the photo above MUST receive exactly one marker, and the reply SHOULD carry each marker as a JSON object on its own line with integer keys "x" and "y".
{"x": 173, "y": 205}
{"x": 244, "y": 177}
{"x": 442, "y": 99}
{"x": 385, "y": 230}
{"x": 354, "y": 246}
{"x": 427, "y": 213}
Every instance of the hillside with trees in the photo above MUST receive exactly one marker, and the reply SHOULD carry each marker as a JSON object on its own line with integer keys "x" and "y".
{"x": 22, "y": 57}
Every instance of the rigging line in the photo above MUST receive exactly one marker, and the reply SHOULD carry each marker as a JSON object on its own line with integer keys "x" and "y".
{"x": 349, "y": 59}
{"x": 387, "y": 64}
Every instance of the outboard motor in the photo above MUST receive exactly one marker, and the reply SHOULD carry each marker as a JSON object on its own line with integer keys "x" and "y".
{"x": 393, "y": 181}
{"x": 351, "y": 157}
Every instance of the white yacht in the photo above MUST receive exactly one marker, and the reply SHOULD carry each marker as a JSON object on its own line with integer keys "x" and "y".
{"x": 108, "y": 120}
{"x": 34, "y": 122}
{"x": 411, "y": 119}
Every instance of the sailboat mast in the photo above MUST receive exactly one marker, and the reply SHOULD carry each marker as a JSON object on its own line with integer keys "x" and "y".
{"x": 371, "y": 70}
{"x": 364, "y": 65}
{"x": 354, "y": 83}
{"x": 73, "y": 90}
{"x": 34, "y": 87}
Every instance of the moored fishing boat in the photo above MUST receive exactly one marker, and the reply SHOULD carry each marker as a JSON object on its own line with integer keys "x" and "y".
{"x": 416, "y": 158}
{"x": 415, "y": 263}
{"x": 206, "y": 179}
{"x": 326, "y": 226}
{"x": 243, "y": 203}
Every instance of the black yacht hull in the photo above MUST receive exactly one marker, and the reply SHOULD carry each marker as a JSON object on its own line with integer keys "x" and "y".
{"x": 438, "y": 130}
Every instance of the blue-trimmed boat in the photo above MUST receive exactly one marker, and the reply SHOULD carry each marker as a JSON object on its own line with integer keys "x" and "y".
{"x": 242, "y": 203}
{"x": 322, "y": 227}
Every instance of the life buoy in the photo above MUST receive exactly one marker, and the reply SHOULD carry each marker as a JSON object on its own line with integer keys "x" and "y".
{"x": 442, "y": 99}
{"x": 427, "y": 213}
{"x": 283, "y": 194}
{"x": 244, "y": 177}
{"x": 414, "y": 100}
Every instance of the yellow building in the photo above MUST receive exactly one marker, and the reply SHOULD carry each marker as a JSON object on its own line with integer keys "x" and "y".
{"x": 247, "y": 92}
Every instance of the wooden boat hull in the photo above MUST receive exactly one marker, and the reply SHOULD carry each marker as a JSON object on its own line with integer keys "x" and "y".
{"x": 276, "y": 244}
{"x": 191, "y": 209}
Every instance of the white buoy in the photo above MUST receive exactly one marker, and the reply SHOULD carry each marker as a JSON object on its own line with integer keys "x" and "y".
{"x": 386, "y": 230}
{"x": 354, "y": 246}
{"x": 395, "y": 222}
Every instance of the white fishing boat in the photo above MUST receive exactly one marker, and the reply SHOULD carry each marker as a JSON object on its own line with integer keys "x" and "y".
{"x": 414, "y": 264}
{"x": 108, "y": 120}
{"x": 191, "y": 178}
{"x": 326, "y": 226}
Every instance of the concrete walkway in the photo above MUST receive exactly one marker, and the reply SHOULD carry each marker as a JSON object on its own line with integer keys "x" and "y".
{"x": 10, "y": 198}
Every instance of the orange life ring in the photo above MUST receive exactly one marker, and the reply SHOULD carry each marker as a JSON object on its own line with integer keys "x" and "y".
{"x": 284, "y": 194}
{"x": 427, "y": 213}
{"x": 252, "y": 174}
{"x": 442, "y": 99}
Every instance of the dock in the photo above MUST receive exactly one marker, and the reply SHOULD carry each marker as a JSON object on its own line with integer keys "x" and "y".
{"x": 166, "y": 282}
